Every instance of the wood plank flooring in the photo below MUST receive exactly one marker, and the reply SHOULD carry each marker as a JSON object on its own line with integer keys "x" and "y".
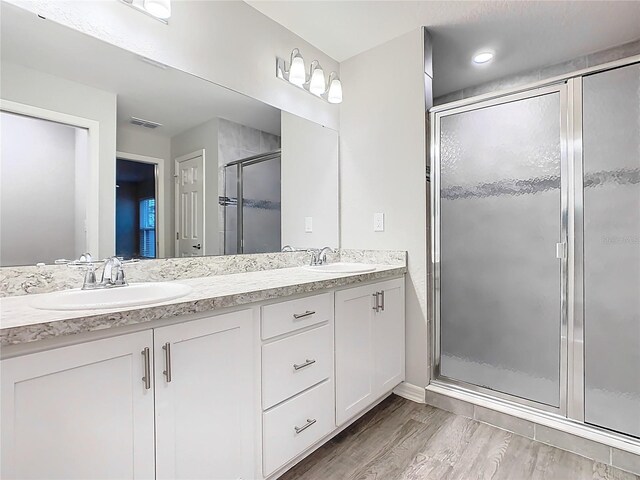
{"x": 403, "y": 440}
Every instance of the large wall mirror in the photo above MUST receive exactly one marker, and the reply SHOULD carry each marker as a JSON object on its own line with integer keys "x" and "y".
{"x": 112, "y": 153}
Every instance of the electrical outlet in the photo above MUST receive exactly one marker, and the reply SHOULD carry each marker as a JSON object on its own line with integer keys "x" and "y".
{"x": 378, "y": 222}
{"x": 308, "y": 224}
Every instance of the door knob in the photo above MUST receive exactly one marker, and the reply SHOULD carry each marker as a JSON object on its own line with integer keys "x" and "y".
{"x": 197, "y": 246}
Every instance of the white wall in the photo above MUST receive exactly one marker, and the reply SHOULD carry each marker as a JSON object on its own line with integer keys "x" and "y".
{"x": 203, "y": 137}
{"x": 138, "y": 141}
{"x": 309, "y": 183}
{"x": 227, "y": 42}
{"x": 382, "y": 169}
{"x": 30, "y": 87}
{"x": 37, "y": 203}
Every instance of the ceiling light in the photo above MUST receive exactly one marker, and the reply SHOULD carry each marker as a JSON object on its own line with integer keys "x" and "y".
{"x": 317, "y": 84}
{"x": 482, "y": 57}
{"x": 158, "y": 8}
{"x": 297, "y": 73}
{"x": 335, "y": 89}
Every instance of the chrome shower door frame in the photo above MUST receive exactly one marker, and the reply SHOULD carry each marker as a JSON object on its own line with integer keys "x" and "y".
{"x": 563, "y": 89}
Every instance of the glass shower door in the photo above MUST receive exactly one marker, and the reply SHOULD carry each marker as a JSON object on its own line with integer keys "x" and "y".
{"x": 611, "y": 152}
{"x": 501, "y": 246}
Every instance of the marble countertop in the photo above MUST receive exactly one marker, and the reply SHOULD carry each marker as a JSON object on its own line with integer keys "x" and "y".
{"x": 22, "y": 323}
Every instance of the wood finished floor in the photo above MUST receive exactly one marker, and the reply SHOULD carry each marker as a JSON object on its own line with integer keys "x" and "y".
{"x": 400, "y": 439}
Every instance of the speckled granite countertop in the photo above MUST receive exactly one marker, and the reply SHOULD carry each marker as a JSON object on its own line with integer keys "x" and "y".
{"x": 21, "y": 323}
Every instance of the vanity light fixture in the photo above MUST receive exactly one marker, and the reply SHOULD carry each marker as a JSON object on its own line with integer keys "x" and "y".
{"x": 482, "y": 57}
{"x": 316, "y": 83}
{"x": 158, "y": 9}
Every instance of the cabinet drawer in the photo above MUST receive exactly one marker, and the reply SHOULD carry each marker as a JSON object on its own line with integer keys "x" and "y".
{"x": 285, "y": 317}
{"x": 293, "y": 426}
{"x": 295, "y": 363}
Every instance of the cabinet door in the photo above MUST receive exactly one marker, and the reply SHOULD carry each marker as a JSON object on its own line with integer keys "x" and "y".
{"x": 205, "y": 409}
{"x": 79, "y": 412}
{"x": 354, "y": 343}
{"x": 388, "y": 336}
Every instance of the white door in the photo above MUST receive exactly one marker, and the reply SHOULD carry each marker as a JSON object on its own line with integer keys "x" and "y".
{"x": 205, "y": 407}
{"x": 354, "y": 343}
{"x": 388, "y": 333}
{"x": 79, "y": 412}
{"x": 190, "y": 206}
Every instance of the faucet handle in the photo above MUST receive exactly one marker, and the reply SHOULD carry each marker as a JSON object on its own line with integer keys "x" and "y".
{"x": 322, "y": 256}
{"x": 89, "y": 278}
{"x": 120, "y": 277}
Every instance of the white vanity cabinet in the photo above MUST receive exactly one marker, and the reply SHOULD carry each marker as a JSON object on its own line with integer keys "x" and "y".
{"x": 87, "y": 411}
{"x": 237, "y": 395}
{"x": 204, "y": 387}
{"x": 369, "y": 336}
{"x": 79, "y": 412}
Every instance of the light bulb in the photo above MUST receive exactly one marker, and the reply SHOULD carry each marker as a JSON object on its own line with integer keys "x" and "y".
{"x": 317, "y": 83}
{"x": 335, "y": 91}
{"x": 158, "y": 8}
{"x": 297, "y": 74}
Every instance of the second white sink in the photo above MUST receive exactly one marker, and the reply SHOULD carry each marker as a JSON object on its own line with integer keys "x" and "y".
{"x": 128, "y": 296}
{"x": 341, "y": 268}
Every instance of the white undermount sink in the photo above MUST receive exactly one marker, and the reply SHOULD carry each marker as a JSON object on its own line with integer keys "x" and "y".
{"x": 341, "y": 268}
{"x": 127, "y": 296}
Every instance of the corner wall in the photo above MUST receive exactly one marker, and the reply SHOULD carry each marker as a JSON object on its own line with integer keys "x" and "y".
{"x": 382, "y": 169}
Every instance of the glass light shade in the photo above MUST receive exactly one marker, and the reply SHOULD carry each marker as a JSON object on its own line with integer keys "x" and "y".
{"x": 158, "y": 8}
{"x": 297, "y": 74}
{"x": 317, "y": 83}
{"x": 335, "y": 91}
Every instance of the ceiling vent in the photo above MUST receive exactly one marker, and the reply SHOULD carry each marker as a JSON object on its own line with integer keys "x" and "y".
{"x": 144, "y": 123}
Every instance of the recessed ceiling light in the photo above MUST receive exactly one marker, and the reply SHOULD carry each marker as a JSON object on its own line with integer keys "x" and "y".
{"x": 482, "y": 57}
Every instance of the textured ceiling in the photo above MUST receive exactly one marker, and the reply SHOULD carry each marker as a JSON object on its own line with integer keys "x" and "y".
{"x": 524, "y": 34}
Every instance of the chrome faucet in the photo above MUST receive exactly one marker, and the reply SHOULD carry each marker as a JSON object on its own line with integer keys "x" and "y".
{"x": 112, "y": 275}
{"x": 315, "y": 256}
{"x": 322, "y": 256}
{"x": 319, "y": 257}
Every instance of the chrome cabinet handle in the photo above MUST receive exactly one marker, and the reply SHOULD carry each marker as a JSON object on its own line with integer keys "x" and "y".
{"x": 382, "y": 302}
{"x": 308, "y": 313}
{"x": 167, "y": 361}
{"x": 376, "y": 307}
{"x": 310, "y": 421}
{"x": 306, "y": 363}
{"x": 147, "y": 368}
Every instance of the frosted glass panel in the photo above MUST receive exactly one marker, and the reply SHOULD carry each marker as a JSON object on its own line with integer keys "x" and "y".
{"x": 500, "y": 288}
{"x": 611, "y": 119}
{"x": 261, "y": 207}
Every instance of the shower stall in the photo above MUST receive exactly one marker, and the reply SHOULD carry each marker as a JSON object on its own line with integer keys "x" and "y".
{"x": 251, "y": 204}
{"x": 535, "y": 210}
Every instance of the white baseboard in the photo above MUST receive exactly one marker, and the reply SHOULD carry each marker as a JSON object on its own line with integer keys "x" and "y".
{"x": 410, "y": 392}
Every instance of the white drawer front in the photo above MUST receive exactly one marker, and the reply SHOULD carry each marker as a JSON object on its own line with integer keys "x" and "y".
{"x": 314, "y": 409}
{"x": 295, "y": 363}
{"x": 285, "y": 317}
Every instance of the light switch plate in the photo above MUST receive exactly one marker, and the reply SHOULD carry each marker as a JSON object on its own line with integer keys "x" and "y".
{"x": 308, "y": 224}
{"x": 378, "y": 222}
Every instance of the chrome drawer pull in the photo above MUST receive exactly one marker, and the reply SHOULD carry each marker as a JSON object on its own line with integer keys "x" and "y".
{"x": 167, "y": 361}
{"x": 310, "y": 421}
{"x": 306, "y": 363}
{"x": 147, "y": 369}
{"x": 308, "y": 313}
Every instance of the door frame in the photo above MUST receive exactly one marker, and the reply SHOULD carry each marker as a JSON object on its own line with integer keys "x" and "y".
{"x": 561, "y": 89}
{"x": 176, "y": 210}
{"x": 92, "y": 222}
{"x": 159, "y": 192}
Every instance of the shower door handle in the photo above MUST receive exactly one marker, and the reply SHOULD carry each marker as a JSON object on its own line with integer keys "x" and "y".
{"x": 561, "y": 250}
